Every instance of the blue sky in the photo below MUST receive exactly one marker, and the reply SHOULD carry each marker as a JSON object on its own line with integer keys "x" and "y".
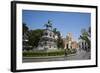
{"x": 64, "y": 21}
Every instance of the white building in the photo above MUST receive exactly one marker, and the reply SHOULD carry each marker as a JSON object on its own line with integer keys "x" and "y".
{"x": 83, "y": 44}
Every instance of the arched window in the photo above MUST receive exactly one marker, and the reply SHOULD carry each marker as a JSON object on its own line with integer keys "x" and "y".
{"x": 46, "y": 33}
{"x": 67, "y": 45}
{"x": 50, "y": 34}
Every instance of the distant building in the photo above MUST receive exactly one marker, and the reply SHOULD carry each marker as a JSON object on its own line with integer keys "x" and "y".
{"x": 83, "y": 45}
{"x": 48, "y": 40}
{"x": 69, "y": 43}
{"x": 26, "y": 46}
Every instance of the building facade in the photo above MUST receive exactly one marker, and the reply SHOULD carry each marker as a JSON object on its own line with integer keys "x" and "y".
{"x": 69, "y": 43}
{"x": 83, "y": 45}
{"x": 26, "y": 46}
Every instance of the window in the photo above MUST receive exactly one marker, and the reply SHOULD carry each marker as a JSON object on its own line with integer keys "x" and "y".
{"x": 46, "y": 33}
{"x": 50, "y": 34}
{"x": 53, "y": 36}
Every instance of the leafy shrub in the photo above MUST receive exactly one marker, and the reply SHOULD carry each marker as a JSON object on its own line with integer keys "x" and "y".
{"x": 47, "y": 53}
{"x": 43, "y": 53}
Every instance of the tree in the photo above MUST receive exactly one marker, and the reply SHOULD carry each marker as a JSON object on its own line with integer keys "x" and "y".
{"x": 86, "y": 35}
{"x": 34, "y": 37}
{"x": 25, "y": 28}
{"x": 89, "y": 31}
{"x": 26, "y": 45}
{"x": 59, "y": 40}
{"x": 25, "y": 31}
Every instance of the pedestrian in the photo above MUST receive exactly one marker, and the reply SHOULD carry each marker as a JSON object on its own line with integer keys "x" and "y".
{"x": 65, "y": 53}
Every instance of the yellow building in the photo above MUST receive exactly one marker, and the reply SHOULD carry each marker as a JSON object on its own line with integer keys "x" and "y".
{"x": 69, "y": 42}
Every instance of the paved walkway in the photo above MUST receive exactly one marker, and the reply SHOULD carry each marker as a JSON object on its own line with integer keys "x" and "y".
{"x": 80, "y": 55}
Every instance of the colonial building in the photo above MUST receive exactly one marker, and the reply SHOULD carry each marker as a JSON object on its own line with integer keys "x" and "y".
{"x": 69, "y": 43}
{"x": 83, "y": 45}
{"x": 48, "y": 40}
{"x": 26, "y": 46}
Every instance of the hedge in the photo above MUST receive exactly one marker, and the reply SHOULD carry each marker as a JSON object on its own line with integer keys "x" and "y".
{"x": 47, "y": 53}
{"x": 39, "y": 53}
